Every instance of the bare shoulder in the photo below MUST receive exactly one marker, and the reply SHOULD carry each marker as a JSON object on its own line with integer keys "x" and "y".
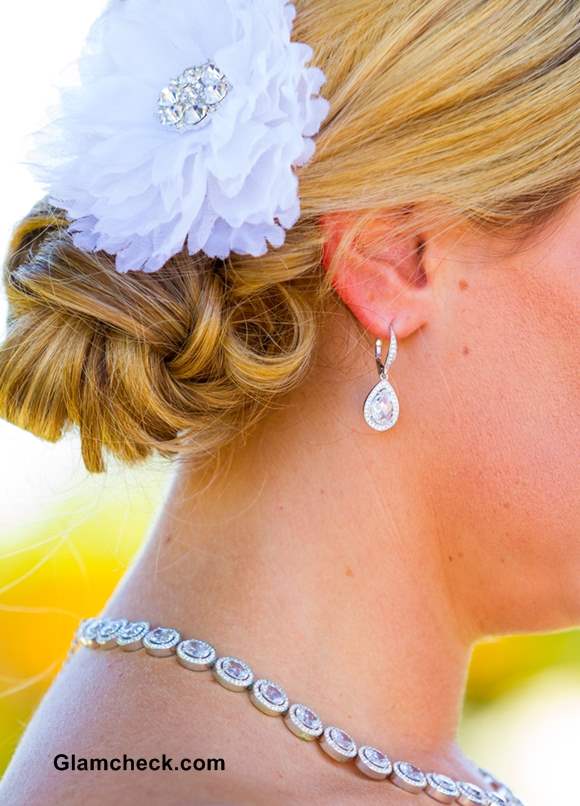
{"x": 116, "y": 728}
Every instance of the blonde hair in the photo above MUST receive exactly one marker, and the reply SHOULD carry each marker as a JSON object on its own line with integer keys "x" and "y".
{"x": 466, "y": 107}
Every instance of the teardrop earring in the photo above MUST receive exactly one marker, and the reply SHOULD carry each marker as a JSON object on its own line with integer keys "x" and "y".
{"x": 381, "y": 407}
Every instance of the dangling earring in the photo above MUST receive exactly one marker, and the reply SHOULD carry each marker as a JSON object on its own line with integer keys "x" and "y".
{"x": 381, "y": 408}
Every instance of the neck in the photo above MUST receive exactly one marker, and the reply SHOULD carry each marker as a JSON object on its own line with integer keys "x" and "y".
{"x": 321, "y": 568}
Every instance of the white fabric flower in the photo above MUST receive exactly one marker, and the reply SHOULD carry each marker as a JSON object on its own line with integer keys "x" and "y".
{"x": 140, "y": 190}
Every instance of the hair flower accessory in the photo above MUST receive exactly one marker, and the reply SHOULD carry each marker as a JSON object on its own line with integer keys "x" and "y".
{"x": 184, "y": 128}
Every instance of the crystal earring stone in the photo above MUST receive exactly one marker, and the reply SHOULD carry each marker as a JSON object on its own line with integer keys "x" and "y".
{"x": 192, "y": 96}
{"x": 381, "y": 407}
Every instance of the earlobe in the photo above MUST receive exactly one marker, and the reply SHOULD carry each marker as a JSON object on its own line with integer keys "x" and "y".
{"x": 379, "y": 276}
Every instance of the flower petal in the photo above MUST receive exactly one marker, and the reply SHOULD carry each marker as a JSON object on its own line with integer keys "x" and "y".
{"x": 141, "y": 190}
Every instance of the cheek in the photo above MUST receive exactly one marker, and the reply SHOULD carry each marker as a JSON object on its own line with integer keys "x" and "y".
{"x": 503, "y": 406}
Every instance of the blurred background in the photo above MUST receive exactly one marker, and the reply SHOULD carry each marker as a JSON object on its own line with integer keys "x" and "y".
{"x": 66, "y": 537}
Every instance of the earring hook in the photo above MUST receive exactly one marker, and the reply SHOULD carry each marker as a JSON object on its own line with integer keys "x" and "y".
{"x": 383, "y": 368}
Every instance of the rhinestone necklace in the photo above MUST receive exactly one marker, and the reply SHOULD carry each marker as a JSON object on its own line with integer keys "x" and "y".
{"x": 270, "y": 698}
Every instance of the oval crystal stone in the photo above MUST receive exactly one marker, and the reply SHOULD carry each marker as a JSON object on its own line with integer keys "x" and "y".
{"x": 161, "y": 641}
{"x": 308, "y": 717}
{"x": 376, "y": 757}
{"x": 496, "y": 800}
{"x": 135, "y": 629}
{"x": 338, "y": 744}
{"x": 233, "y": 673}
{"x": 131, "y": 636}
{"x": 196, "y": 655}
{"x": 235, "y": 669}
{"x": 107, "y": 632}
{"x": 197, "y": 649}
{"x": 471, "y": 795}
{"x": 373, "y": 762}
{"x": 410, "y": 771}
{"x": 441, "y": 788}
{"x": 269, "y": 697}
{"x": 408, "y": 777}
{"x": 87, "y": 634}
{"x": 443, "y": 782}
{"x": 342, "y": 739}
{"x": 303, "y": 722}
{"x": 108, "y": 628}
{"x": 162, "y": 635}
{"x": 273, "y": 694}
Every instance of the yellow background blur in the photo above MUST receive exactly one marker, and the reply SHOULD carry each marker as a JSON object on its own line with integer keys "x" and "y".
{"x": 65, "y": 537}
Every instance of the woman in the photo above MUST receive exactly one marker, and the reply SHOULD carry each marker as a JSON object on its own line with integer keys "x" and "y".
{"x": 350, "y": 557}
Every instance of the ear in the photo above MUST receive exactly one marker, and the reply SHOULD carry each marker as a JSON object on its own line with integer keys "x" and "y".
{"x": 378, "y": 274}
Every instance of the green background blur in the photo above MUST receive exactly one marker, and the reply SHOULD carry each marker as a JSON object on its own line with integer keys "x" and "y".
{"x": 66, "y": 538}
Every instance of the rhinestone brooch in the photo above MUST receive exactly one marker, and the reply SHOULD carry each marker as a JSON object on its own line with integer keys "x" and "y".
{"x": 271, "y": 699}
{"x": 192, "y": 96}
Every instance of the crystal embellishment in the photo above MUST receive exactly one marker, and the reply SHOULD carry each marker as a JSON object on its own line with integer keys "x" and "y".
{"x": 408, "y": 777}
{"x": 441, "y": 788}
{"x": 381, "y": 408}
{"x": 192, "y": 96}
{"x": 338, "y": 744}
{"x": 303, "y": 722}
{"x": 373, "y": 763}
{"x": 233, "y": 673}
{"x": 87, "y": 635}
{"x": 107, "y": 631}
{"x": 471, "y": 795}
{"x": 161, "y": 641}
{"x": 269, "y": 697}
{"x": 131, "y": 636}
{"x": 196, "y": 655}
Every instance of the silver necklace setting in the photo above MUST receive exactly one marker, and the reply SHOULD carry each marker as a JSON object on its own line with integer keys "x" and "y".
{"x": 271, "y": 698}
